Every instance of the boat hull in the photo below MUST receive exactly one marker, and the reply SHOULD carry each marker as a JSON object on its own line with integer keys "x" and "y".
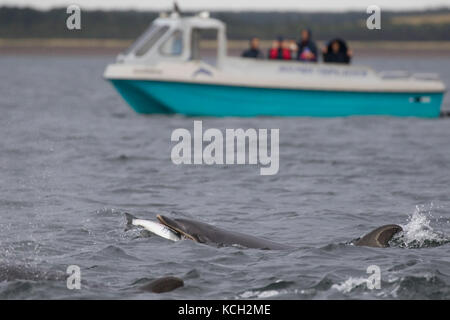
{"x": 200, "y": 99}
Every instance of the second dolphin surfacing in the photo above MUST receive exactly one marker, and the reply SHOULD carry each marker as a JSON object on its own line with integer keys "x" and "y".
{"x": 380, "y": 237}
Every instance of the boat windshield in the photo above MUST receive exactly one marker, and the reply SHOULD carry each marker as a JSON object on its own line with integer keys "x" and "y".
{"x": 145, "y": 42}
{"x": 204, "y": 44}
{"x": 174, "y": 45}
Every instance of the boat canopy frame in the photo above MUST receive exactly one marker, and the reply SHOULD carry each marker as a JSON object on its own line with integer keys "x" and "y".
{"x": 149, "y": 48}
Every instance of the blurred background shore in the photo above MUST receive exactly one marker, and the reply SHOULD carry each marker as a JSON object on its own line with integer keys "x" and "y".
{"x": 31, "y": 31}
{"x": 57, "y": 46}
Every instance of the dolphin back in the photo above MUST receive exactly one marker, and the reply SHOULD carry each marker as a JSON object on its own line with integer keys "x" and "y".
{"x": 209, "y": 234}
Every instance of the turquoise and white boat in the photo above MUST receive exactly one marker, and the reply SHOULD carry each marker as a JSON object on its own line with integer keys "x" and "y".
{"x": 166, "y": 71}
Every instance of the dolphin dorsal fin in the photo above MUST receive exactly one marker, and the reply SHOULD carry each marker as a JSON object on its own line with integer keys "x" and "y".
{"x": 380, "y": 237}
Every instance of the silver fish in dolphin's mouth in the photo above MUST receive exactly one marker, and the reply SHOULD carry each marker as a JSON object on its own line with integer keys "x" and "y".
{"x": 155, "y": 228}
{"x": 173, "y": 225}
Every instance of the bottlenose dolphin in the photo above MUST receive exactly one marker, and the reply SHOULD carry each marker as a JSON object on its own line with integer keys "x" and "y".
{"x": 380, "y": 237}
{"x": 178, "y": 229}
{"x": 163, "y": 285}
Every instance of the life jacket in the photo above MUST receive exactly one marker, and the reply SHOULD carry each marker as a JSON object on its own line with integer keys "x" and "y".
{"x": 280, "y": 54}
{"x": 308, "y": 46}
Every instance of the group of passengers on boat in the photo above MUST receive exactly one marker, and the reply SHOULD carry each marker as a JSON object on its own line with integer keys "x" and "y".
{"x": 304, "y": 50}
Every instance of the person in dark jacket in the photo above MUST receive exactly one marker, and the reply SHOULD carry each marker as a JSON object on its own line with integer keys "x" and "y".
{"x": 280, "y": 50}
{"x": 254, "y": 51}
{"x": 307, "y": 49}
{"x": 337, "y": 51}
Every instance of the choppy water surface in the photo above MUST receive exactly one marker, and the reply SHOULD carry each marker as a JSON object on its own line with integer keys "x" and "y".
{"x": 74, "y": 157}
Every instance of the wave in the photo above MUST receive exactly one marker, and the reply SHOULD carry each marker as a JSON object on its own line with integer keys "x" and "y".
{"x": 350, "y": 284}
{"x": 425, "y": 286}
{"x": 12, "y": 272}
{"x": 272, "y": 290}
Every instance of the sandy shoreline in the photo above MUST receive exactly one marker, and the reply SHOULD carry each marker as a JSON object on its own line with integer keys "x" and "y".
{"x": 114, "y": 46}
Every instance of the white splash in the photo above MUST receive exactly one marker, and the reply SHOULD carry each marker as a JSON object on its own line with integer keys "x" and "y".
{"x": 418, "y": 231}
{"x": 257, "y": 294}
{"x": 349, "y": 284}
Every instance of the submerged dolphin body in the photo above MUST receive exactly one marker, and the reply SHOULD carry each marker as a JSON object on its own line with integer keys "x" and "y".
{"x": 209, "y": 234}
{"x": 380, "y": 237}
{"x": 162, "y": 285}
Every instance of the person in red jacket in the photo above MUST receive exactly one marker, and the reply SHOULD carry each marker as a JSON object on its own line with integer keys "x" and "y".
{"x": 280, "y": 50}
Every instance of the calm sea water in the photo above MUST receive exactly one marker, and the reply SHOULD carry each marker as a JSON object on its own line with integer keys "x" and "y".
{"x": 74, "y": 157}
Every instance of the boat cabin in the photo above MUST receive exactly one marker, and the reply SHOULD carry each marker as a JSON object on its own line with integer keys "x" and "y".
{"x": 179, "y": 39}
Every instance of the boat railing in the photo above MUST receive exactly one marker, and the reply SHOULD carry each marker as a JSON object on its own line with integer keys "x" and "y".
{"x": 426, "y": 76}
{"x": 408, "y": 75}
{"x": 394, "y": 74}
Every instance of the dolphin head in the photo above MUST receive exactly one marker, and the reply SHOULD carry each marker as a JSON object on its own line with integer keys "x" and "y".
{"x": 189, "y": 229}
